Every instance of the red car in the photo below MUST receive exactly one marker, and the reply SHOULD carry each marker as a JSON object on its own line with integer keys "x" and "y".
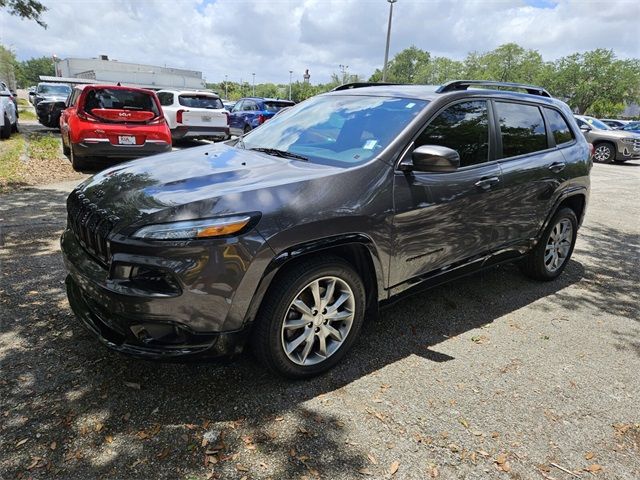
{"x": 113, "y": 122}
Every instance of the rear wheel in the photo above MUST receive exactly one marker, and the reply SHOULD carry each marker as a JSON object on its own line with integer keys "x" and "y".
{"x": 14, "y": 128}
{"x": 310, "y": 318}
{"x": 5, "y": 131}
{"x": 65, "y": 148}
{"x": 551, "y": 256}
{"x": 77, "y": 163}
{"x": 604, "y": 152}
{"x": 247, "y": 129}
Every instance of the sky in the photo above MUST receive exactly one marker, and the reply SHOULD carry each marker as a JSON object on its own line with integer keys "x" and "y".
{"x": 270, "y": 37}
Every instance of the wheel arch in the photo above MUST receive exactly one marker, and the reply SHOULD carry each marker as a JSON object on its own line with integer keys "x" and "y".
{"x": 575, "y": 199}
{"x": 357, "y": 249}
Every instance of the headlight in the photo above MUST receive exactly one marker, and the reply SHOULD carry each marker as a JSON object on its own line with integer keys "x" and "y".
{"x": 192, "y": 229}
{"x": 630, "y": 140}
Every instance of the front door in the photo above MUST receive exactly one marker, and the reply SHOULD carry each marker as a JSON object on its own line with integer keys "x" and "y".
{"x": 444, "y": 218}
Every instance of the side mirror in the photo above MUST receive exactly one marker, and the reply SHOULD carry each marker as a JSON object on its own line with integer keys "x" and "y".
{"x": 585, "y": 128}
{"x": 432, "y": 158}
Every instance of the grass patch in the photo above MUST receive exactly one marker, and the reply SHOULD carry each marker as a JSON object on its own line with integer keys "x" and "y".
{"x": 43, "y": 147}
{"x": 10, "y": 163}
{"x": 22, "y": 102}
{"x": 26, "y": 115}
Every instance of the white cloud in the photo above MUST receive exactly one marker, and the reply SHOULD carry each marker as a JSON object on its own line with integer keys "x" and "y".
{"x": 238, "y": 37}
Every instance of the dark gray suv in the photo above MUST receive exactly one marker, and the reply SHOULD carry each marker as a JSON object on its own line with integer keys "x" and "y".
{"x": 285, "y": 239}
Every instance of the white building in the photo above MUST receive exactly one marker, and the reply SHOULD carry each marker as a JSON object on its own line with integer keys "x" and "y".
{"x": 111, "y": 71}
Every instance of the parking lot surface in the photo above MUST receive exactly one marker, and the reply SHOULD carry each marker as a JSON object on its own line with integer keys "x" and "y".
{"x": 492, "y": 376}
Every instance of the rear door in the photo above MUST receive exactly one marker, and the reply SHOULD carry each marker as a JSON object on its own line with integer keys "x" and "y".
{"x": 201, "y": 110}
{"x": 532, "y": 169}
{"x": 236, "y": 121}
{"x": 444, "y": 218}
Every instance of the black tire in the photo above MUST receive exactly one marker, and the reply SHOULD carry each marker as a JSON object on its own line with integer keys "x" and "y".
{"x": 14, "y": 128}
{"x": 66, "y": 151}
{"x": 267, "y": 336}
{"x": 78, "y": 164}
{"x": 534, "y": 265}
{"x": 604, "y": 152}
{"x": 5, "y": 131}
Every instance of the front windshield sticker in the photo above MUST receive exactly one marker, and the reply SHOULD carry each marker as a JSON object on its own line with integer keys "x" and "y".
{"x": 410, "y": 105}
{"x": 370, "y": 144}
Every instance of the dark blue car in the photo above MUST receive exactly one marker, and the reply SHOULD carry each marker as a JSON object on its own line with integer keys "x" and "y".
{"x": 632, "y": 127}
{"x": 248, "y": 113}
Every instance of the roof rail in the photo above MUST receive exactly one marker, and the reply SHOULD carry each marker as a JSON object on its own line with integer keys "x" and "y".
{"x": 457, "y": 85}
{"x": 349, "y": 86}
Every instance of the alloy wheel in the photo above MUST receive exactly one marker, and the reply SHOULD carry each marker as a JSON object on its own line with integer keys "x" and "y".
{"x": 558, "y": 245}
{"x": 318, "y": 321}
{"x": 602, "y": 153}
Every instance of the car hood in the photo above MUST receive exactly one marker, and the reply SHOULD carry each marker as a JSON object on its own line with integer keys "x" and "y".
{"x": 195, "y": 183}
{"x": 615, "y": 133}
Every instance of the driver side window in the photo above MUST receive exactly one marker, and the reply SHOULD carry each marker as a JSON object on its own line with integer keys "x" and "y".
{"x": 463, "y": 127}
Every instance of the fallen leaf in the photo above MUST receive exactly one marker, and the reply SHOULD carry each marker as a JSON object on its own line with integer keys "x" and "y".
{"x": 433, "y": 471}
{"x": 53, "y": 445}
{"x": 134, "y": 385}
{"x": 98, "y": 426}
{"x": 394, "y": 468}
{"x": 108, "y": 439}
{"x": 593, "y": 468}
{"x": 589, "y": 455}
{"x": 505, "y": 467}
{"x": 372, "y": 459}
{"x": 464, "y": 423}
{"x": 22, "y": 442}
{"x": 241, "y": 468}
{"x": 292, "y": 452}
{"x": 365, "y": 471}
{"x": 314, "y": 472}
{"x": 163, "y": 454}
{"x": 501, "y": 459}
{"x": 303, "y": 430}
{"x": 279, "y": 419}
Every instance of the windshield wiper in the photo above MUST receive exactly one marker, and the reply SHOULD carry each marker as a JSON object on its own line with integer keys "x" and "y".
{"x": 279, "y": 153}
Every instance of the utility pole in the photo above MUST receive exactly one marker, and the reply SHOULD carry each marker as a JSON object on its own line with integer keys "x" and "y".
{"x": 254, "y": 84}
{"x": 226, "y": 89}
{"x": 386, "y": 50}
{"x": 290, "y": 78}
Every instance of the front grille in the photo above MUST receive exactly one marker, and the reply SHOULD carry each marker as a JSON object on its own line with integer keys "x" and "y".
{"x": 90, "y": 224}
{"x": 636, "y": 145}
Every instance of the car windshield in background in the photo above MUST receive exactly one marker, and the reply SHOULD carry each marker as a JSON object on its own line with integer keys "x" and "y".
{"x": 336, "y": 130}
{"x": 200, "y": 101}
{"x": 595, "y": 123}
{"x": 276, "y": 106}
{"x": 117, "y": 99}
{"x": 61, "y": 90}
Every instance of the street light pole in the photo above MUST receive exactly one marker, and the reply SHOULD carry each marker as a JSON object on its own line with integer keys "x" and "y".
{"x": 386, "y": 50}
{"x": 254, "y": 84}
{"x": 226, "y": 87}
{"x": 290, "y": 77}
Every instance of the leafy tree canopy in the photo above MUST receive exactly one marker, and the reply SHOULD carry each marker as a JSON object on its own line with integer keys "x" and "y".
{"x": 29, "y": 9}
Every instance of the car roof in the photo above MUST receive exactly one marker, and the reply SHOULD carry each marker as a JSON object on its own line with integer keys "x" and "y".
{"x": 267, "y": 99}
{"x": 189, "y": 92}
{"x": 113, "y": 87}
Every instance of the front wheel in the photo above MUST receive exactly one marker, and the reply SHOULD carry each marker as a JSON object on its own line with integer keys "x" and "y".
{"x": 550, "y": 257}
{"x": 604, "y": 152}
{"x": 310, "y": 318}
{"x": 5, "y": 130}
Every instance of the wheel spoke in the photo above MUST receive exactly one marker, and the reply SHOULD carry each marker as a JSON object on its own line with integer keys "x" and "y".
{"x": 339, "y": 316}
{"x": 307, "y": 348}
{"x": 328, "y": 294}
{"x": 298, "y": 341}
{"x": 302, "y": 307}
{"x": 315, "y": 290}
{"x": 322, "y": 345}
{"x": 341, "y": 299}
{"x": 295, "y": 324}
{"x": 333, "y": 333}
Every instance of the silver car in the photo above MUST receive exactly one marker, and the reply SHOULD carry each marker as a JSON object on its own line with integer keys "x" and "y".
{"x": 609, "y": 145}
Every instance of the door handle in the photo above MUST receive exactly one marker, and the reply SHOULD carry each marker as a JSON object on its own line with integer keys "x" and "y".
{"x": 487, "y": 182}
{"x": 557, "y": 167}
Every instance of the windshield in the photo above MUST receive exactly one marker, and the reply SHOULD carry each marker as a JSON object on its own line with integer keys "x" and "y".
{"x": 597, "y": 124}
{"x": 276, "y": 106}
{"x": 120, "y": 99}
{"x": 632, "y": 126}
{"x": 61, "y": 90}
{"x": 336, "y": 130}
{"x": 200, "y": 101}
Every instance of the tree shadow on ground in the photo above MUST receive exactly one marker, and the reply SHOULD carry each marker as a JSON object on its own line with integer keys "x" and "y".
{"x": 115, "y": 417}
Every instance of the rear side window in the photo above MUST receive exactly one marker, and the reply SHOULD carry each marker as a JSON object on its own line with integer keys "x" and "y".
{"x": 276, "y": 106}
{"x": 200, "y": 101}
{"x": 463, "y": 127}
{"x": 522, "y": 129}
{"x": 166, "y": 98}
{"x": 558, "y": 125}
{"x": 119, "y": 99}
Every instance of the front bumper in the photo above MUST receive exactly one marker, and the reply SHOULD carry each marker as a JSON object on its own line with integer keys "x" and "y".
{"x": 628, "y": 151}
{"x": 216, "y": 133}
{"x": 102, "y": 147}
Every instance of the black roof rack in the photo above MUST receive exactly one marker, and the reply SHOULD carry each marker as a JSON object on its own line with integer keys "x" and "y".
{"x": 349, "y": 86}
{"x": 457, "y": 85}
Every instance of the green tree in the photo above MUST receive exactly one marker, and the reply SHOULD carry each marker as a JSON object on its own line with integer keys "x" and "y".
{"x": 29, "y": 9}
{"x": 507, "y": 63}
{"x": 28, "y": 72}
{"x": 440, "y": 70}
{"x": 404, "y": 67}
{"x": 595, "y": 79}
{"x": 8, "y": 66}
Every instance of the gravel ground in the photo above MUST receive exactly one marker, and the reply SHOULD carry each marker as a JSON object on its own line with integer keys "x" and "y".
{"x": 492, "y": 377}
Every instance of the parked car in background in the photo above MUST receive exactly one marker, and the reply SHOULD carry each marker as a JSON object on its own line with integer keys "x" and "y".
{"x": 113, "y": 122}
{"x": 249, "y": 113}
{"x": 610, "y": 145}
{"x": 631, "y": 127}
{"x": 228, "y": 104}
{"x": 194, "y": 114}
{"x": 286, "y": 238}
{"x": 614, "y": 123}
{"x": 31, "y": 94}
{"x": 49, "y": 111}
{"x": 51, "y": 92}
{"x": 8, "y": 112}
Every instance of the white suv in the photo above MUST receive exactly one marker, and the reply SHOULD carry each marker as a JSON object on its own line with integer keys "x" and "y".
{"x": 8, "y": 112}
{"x": 194, "y": 114}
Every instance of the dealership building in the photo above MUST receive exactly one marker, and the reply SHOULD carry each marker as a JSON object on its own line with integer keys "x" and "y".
{"x": 102, "y": 69}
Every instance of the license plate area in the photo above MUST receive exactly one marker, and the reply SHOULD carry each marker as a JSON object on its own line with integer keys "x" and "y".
{"x": 206, "y": 118}
{"x": 126, "y": 140}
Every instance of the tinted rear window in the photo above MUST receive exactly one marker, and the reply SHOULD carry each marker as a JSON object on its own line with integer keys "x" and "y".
{"x": 276, "y": 106}
{"x": 61, "y": 90}
{"x": 522, "y": 129}
{"x": 111, "y": 98}
{"x": 200, "y": 101}
{"x": 559, "y": 128}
